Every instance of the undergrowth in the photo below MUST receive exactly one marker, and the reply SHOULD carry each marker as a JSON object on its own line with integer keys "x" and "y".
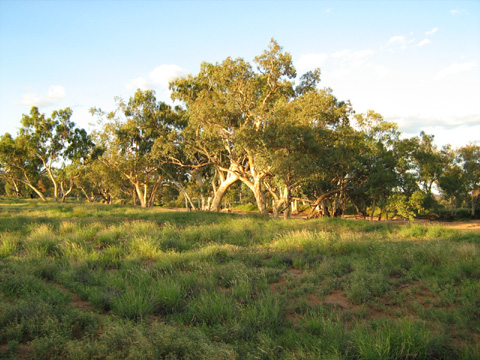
{"x": 112, "y": 282}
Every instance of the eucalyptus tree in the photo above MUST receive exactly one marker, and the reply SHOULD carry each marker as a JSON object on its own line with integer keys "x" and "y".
{"x": 43, "y": 147}
{"x": 239, "y": 119}
{"x": 130, "y": 135}
{"x": 228, "y": 104}
{"x": 452, "y": 186}
{"x": 47, "y": 139}
{"x": 99, "y": 181}
{"x": 376, "y": 165}
{"x": 469, "y": 159}
{"x": 430, "y": 162}
{"x": 302, "y": 144}
{"x": 18, "y": 166}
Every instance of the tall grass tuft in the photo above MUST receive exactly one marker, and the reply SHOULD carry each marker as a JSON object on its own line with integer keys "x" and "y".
{"x": 398, "y": 340}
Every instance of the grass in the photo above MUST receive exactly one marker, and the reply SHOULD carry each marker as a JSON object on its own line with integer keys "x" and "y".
{"x": 117, "y": 282}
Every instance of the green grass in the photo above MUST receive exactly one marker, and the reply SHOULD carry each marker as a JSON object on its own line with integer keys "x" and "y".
{"x": 117, "y": 282}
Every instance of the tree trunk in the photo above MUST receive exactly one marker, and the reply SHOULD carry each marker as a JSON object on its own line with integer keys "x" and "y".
{"x": 141, "y": 196}
{"x": 17, "y": 190}
{"x": 90, "y": 200}
{"x": 475, "y": 196}
{"x": 287, "y": 213}
{"x": 221, "y": 190}
{"x": 260, "y": 197}
{"x": 295, "y": 207}
{"x": 187, "y": 198}
{"x": 277, "y": 207}
{"x": 52, "y": 179}
{"x": 66, "y": 193}
{"x": 373, "y": 209}
{"x": 320, "y": 203}
{"x": 38, "y": 192}
{"x": 287, "y": 195}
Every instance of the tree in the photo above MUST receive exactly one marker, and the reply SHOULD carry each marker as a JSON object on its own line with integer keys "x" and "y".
{"x": 52, "y": 140}
{"x": 228, "y": 105}
{"x": 42, "y": 146}
{"x": 376, "y": 163}
{"x": 236, "y": 114}
{"x": 430, "y": 162}
{"x": 316, "y": 148}
{"x": 132, "y": 131}
{"x": 469, "y": 157}
{"x": 18, "y": 166}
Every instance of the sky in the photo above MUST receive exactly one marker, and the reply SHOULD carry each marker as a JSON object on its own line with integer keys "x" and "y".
{"x": 417, "y": 63}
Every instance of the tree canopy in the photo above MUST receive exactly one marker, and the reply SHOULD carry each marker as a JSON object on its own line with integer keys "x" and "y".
{"x": 244, "y": 132}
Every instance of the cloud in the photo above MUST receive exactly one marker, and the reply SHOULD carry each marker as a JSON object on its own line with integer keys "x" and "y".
{"x": 338, "y": 64}
{"x": 160, "y": 77}
{"x": 350, "y": 54}
{"x": 455, "y": 69}
{"x": 164, "y": 73}
{"x": 454, "y": 130}
{"x": 138, "y": 83}
{"x": 423, "y": 42}
{"x": 54, "y": 95}
{"x": 328, "y": 11}
{"x": 382, "y": 71}
{"x": 308, "y": 62}
{"x": 457, "y": 12}
{"x": 398, "y": 39}
{"x": 414, "y": 123}
{"x": 431, "y": 32}
{"x": 348, "y": 61}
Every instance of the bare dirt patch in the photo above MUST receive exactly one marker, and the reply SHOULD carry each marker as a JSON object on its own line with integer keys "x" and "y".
{"x": 462, "y": 225}
{"x": 23, "y": 351}
{"x": 76, "y": 301}
{"x": 336, "y": 298}
{"x": 293, "y": 274}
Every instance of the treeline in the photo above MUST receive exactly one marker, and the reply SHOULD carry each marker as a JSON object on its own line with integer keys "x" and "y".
{"x": 244, "y": 133}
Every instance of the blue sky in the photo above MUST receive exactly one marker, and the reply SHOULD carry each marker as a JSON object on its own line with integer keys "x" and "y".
{"x": 415, "y": 62}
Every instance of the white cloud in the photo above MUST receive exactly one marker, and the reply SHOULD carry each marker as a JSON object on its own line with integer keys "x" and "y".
{"x": 457, "y": 12}
{"x": 343, "y": 65}
{"x": 397, "y": 40}
{"x": 455, "y": 69}
{"x": 423, "y": 42}
{"x": 328, "y": 11}
{"x": 454, "y": 12}
{"x": 158, "y": 78}
{"x": 454, "y": 130}
{"x": 54, "y": 95}
{"x": 342, "y": 53}
{"x": 138, "y": 83}
{"x": 165, "y": 73}
{"x": 350, "y": 54}
{"x": 382, "y": 71}
{"x": 431, "y": 32}
{"x": 338, "y": 64}
{"x": 311, "y": 61}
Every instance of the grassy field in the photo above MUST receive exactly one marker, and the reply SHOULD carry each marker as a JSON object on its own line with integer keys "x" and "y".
{"x": 115, "y": 282}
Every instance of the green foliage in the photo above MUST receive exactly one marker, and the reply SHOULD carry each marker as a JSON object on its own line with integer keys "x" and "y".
{"x": 404, "y": 340}
{"x": 109, "y": 281}
{"x": 145, "y": 283}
